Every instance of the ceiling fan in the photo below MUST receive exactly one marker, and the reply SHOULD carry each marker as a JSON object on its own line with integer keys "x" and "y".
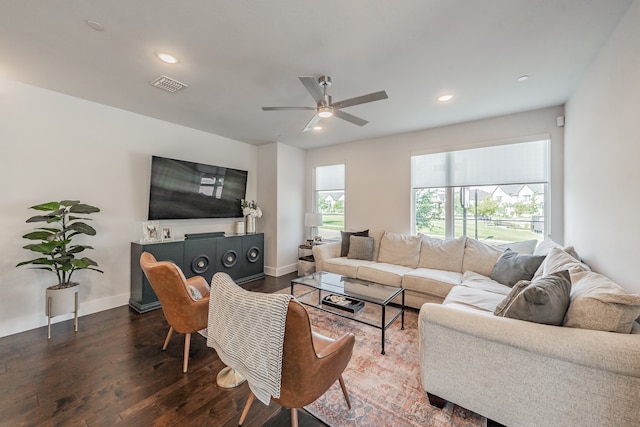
{"x": 325, "y": 107}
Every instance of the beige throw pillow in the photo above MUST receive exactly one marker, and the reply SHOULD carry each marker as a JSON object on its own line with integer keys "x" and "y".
{"x": 441, "y": 254}
{"x": 558, "y": 260}
{"x": 480, "y": 257}
{"x": 525, "y": 247}
{"x": 400, "y": 249}
{"x": 600, "y": 304}
{"x": 361, "y": 247}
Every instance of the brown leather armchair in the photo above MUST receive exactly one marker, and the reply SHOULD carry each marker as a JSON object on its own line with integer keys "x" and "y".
{"x": 183, "y": 314}
{"x": 311, "y": 363}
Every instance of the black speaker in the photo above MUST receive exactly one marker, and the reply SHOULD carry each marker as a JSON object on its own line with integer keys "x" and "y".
{"x": 253, "y": 250}
{"x": 229, "y": 256}
{"x": 200, "y": 257}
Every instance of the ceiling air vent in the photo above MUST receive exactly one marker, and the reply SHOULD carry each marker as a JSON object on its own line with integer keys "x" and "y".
{"x": 168, "y": 84}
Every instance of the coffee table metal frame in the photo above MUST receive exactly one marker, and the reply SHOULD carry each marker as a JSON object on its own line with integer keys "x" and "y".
{"x": 332, "y": 283}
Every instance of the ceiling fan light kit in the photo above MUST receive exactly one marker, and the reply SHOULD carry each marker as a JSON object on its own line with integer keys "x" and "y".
{"x": 325, "y": 107}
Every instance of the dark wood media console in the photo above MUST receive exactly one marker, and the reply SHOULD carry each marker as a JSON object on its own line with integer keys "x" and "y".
{"x": 240, "y": 256}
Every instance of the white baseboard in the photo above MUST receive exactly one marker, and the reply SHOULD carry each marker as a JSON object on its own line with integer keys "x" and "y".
{"x": 32, "y": 321}
{"x": 280, "y": 271}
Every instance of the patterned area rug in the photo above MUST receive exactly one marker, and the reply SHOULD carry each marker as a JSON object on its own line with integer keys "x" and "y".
{"x": 385, "y": 390}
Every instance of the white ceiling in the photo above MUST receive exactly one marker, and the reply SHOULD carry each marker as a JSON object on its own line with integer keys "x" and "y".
{"x": 239, "y": 55}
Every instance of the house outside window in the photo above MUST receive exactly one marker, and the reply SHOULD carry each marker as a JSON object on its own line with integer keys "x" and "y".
{"x": 330, "y": 199}
{"x": 494, "y": 194}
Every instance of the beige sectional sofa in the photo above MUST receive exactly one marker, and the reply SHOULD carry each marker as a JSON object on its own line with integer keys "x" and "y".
{"x": 427, "y": 268}
{"x": 584, "y": 371}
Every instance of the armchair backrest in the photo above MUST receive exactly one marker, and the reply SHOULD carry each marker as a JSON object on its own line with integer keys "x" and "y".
{"x": 305, "y": 377}
{"x": 170, "y": 285}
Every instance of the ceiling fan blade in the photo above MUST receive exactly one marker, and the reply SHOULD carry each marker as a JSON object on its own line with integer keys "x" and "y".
{"x": 312, "y": 86}
{"x": 315, "y": 119}
{"x": 286, "y": 108}
{"x": 350, "y": 118}
{"x": 376, "y": 96}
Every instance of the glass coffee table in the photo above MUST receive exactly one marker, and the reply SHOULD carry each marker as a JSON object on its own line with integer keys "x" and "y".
{"x": 355, "y": 299}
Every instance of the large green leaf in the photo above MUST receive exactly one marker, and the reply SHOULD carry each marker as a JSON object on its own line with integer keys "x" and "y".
{"x": 46, "y": 247}
{"x": 38, "y": 261}
{"x": 83, "y": 208}
{"x": 69, "y": 202}
{"x": 83, "y": 228}
{"x": 78, "y": 248}
{"x": 41, "y": 218}
{"x": 75, "y": 218}
{"x": 83, "y": 263}
{"x": 38, "y": 235}
{"x": 49, "y": 206}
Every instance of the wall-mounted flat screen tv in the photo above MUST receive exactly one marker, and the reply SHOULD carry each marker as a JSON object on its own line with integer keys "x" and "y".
{"x": 187, "y": 190}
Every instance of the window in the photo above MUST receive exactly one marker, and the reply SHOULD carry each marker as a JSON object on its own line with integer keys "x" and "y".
{"x": 495, "y": 194}
{"x": 330, "y": 199}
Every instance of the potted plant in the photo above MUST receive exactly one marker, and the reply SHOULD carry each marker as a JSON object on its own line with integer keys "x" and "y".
{"x": 58, "y": 254}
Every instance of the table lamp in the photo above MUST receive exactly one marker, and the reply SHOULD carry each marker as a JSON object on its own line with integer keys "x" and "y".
{"x": 313, "y": 221}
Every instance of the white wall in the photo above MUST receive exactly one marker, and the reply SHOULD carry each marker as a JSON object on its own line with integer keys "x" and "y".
{"x": 281, "y": 188}
{"x": 57, "y": 147}
{"x": 378, "y": 171}
{"x": 602, "y": 153}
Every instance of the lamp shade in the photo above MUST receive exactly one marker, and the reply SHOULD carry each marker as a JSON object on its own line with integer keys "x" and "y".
{"x": 312, "y": 219}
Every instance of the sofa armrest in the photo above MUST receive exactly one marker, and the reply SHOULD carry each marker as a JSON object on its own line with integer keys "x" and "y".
{"x": 610, "y": 351}
{"x": 326, "y": 251}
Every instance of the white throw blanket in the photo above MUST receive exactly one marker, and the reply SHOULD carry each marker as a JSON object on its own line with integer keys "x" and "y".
{"x": 247, "y": 331}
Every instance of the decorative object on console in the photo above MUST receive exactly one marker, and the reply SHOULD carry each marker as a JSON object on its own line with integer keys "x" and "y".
{"x": 312, "y": 221}
{"x": 150, "y": 231}
{"x": 57, "y": 254}
{"x": 251, "y": 211}
{"x": 166, "y": 233}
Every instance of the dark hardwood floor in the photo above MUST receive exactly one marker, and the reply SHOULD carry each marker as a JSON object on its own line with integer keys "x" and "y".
{"x": 114, "y": 372}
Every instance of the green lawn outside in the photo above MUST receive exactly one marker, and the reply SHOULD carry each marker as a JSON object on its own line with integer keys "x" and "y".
{"x": 487, "y": 231}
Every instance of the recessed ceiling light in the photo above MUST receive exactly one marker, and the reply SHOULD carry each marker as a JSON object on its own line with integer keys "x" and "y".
{"x": 95, "y": 25}
{"x": 445, "y": 98}
{"x": 317, "y": 128}
{"x": 523, "y": 78}
{"x": 168, "y": 58}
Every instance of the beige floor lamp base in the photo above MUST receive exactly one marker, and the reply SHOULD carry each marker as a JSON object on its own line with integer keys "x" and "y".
{"x": 229, "y": 378}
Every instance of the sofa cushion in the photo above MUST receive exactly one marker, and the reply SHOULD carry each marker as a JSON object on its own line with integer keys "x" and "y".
{"x": 380, "y": 272}
{"x": 361, "y": 247}
{"x": 545, "y": 247}
{"x": 377, "y": 238}
{"x": 346, "y": 241}
{"x": 525, "y": 247}
{"x": 400, "y": 249}
{"x": 542, "y": 301}
{"x": 480, "y": 257}
{"x": 344, "y": 266}
{"x": 438, "y": 254}
{"x": 558, "y": 260}
{"x": 471, "y": 279}
{"x": 600, "y": 304}
{"x": 473, "y": 298}
{"x": 430, "y": 281}
{"x": 513, "y": 267}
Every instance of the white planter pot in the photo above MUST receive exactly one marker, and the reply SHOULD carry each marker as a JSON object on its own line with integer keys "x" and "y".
{"x": 62, "y": 301}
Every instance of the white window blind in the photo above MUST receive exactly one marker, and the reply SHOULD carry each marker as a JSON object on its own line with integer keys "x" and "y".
{"x": 520, "y": 163}
{"x": 330, "y": 178}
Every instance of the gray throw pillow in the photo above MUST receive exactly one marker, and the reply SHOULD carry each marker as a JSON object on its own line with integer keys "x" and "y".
{"x": 344, "y": 250}
{"x": 545, "y": 300}
{"x": 515, "y": 291}
{"x": 361, "y": 247}
{"x": 512, "y": 267}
